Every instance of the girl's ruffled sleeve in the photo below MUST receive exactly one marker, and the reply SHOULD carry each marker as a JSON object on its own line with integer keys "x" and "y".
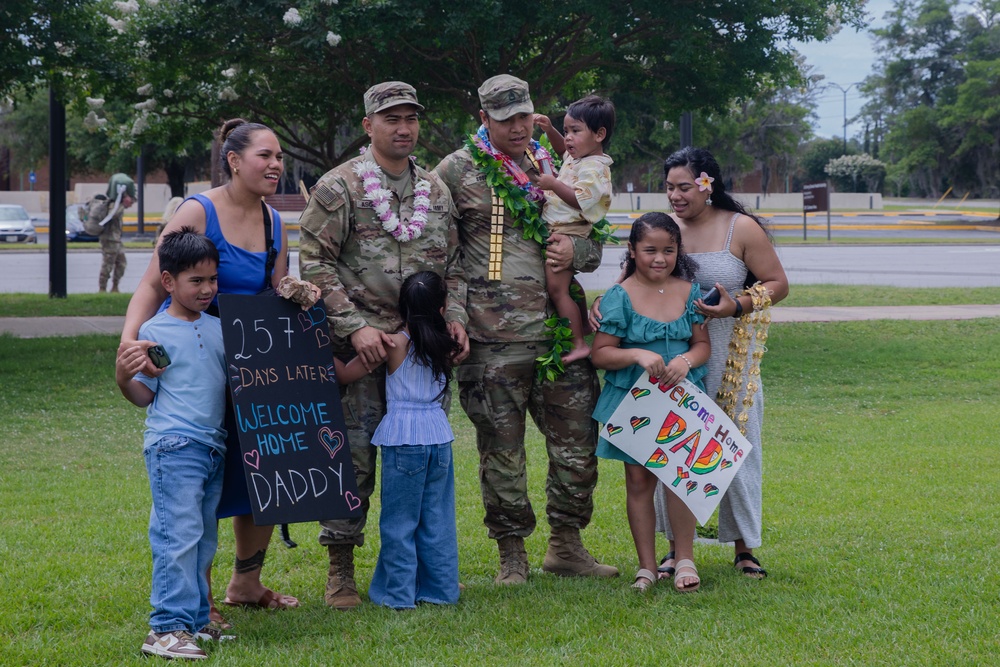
{"x": 614, "y": 315}
{"x": 692, "y": 311}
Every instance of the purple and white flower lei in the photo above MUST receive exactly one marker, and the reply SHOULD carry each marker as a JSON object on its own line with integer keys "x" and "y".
{"x": 381, "y": 198}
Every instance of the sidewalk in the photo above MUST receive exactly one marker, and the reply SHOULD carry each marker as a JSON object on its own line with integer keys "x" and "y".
{"x": 41, "y": 327}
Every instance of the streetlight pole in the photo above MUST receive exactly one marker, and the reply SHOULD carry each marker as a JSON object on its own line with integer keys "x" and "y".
{"x": 844, "y": 91}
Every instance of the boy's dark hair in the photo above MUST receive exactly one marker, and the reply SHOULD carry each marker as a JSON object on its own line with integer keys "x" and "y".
{"x": 596, "y": 112}
{"x": 183, "y": 248}
{"x": 684, "y": 267}
{"x": 421, "y": 299}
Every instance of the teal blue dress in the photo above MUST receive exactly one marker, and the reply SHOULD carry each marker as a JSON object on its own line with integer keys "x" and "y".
{"x": 669, "y": 339}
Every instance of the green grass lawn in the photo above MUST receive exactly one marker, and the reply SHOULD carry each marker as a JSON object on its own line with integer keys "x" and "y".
{"x": 880, "y": 529}
{"x": 40, "y": 305}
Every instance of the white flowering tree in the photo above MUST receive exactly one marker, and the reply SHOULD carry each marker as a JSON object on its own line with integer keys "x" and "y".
{"x": 303, "y": 66}
{"x": 848, "y": 170}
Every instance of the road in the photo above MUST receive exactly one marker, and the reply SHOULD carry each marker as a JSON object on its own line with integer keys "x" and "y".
{"x": 963, "y": 265}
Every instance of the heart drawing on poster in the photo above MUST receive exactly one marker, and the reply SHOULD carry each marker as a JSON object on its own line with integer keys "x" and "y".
{"x": 332, "y": 440}
{"x": 322, "y": 340}
{"x": 252, "y": 459}
{"x": 352, "y": 500}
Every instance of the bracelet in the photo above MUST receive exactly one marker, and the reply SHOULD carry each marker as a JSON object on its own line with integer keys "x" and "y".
{"x": 687, "y": 360}
{"x": 739, "y": 309}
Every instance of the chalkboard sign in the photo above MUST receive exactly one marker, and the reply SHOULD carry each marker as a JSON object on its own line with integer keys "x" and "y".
{"x": 291, "y": 426}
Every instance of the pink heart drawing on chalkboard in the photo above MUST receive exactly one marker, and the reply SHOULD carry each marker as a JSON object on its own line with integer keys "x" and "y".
{"x": 322, "y": 340}
{"x": 253, "y": 459}
{"x": 353, "y": 501}
{"x": 332, "y": 440}
{"x": 305, "y": 321}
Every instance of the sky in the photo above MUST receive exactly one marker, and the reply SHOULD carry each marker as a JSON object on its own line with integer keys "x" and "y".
{"x": 846, "y": 59}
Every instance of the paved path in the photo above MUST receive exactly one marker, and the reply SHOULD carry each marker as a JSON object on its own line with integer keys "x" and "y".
{"x": 39, "y": 327}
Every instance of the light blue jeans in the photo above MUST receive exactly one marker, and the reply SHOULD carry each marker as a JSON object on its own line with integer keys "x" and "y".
{"x": 185, "y": 479}
{"x": 418, "y": 559}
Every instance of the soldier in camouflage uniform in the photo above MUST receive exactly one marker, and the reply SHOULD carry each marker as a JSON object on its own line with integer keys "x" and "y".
{"x": 113, "y": 210}
{"x": 498, "y": 385}
{"x": 345, "y": 249}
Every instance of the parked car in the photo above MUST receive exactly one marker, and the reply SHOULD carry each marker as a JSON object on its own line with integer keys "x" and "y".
{"x": 74, "y": 226}
{"x": 16, "y": 226}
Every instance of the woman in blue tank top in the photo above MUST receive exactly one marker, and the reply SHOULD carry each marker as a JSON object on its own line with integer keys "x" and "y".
{"x": 235, "y": 219}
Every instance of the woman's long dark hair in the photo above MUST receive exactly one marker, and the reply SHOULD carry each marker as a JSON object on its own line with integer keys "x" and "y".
{"x": 699, "y": 160}
{"x": 421, "y": 299}
{"x": 683, "y": 268}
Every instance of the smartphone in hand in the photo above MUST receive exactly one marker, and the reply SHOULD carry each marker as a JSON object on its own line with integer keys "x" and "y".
{"x": 712, "y": 298}
{"x": 159, "y": 356}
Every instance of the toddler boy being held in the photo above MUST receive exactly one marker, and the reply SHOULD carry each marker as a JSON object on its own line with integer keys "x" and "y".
{"x": 579, "y": 197}
{"x": 183, "y": 443}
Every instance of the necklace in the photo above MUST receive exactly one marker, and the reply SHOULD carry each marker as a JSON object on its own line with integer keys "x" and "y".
{"x": 380, "y": 197}
{"x": 504, "y": 178}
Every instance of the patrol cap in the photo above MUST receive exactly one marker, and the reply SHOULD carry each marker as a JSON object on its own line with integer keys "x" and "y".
{"x": 382, "y": 96}
{"x": 117, "y": 180}
{"x": 503, "y": 96}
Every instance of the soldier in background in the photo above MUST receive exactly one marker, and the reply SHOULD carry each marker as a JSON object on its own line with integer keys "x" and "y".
{"x": 507, "y": 306}
{"x": 369, "y": 224}
{"x": 104, "y": 219}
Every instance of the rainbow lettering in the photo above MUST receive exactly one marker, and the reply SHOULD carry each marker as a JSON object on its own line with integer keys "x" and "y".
{"x": 681, "y": 474}
{"x": 657, "y": 460}
{"x": 710, "y": 458}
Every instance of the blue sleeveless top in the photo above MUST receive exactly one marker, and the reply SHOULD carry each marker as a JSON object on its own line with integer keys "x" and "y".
{"x": 240, "y": 271}
{"x": 414, "y": 415}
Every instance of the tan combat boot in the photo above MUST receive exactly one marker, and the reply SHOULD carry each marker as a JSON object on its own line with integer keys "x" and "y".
{"x": 341, "y": 591}
{"x": 114, "y": 288}
{"x": 102, "y": 287}
{"x": 567, "y": 557}
{"x": 513, "y": 561}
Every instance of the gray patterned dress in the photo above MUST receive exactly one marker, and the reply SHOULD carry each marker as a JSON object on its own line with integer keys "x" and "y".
{"x": 740, "y": 509}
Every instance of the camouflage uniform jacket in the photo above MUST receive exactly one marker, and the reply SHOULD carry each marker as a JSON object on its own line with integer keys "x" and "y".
{"x": 359, "y": 266}
{"x": 111, "y": 232}
{"x": 515, "y": 308}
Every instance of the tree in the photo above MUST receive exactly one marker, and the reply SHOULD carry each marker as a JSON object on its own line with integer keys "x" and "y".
{"x": 934, "y": 97}
{"x": 847, "y": 170}
{"x": 302, "y": 68}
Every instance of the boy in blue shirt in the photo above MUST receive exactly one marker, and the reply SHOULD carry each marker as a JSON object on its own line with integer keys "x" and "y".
{"x": 184, "y": 442}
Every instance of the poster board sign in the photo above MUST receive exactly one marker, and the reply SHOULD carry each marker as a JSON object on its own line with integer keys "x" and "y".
{"x": 291, "y": 426}
{"x": 680, "y": 435}
{"x": 815, "y": 197}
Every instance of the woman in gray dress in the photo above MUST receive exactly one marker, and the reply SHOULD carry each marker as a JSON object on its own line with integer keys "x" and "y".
{"x": 728, "y": 243}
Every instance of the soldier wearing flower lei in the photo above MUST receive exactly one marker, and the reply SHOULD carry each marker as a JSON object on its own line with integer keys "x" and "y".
{"x": 369, "y": 224}
{"x": 491, "y": 182}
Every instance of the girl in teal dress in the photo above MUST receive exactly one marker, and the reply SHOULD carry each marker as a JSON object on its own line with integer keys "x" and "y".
{"x": 649, "y": 323}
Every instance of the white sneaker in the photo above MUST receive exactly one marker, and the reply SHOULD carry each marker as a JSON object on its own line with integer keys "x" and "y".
{"x": 176, "y": 645}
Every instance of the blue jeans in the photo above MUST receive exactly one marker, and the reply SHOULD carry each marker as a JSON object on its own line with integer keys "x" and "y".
{"x": 418, "y": 560}
{"x": 185, "y": 479}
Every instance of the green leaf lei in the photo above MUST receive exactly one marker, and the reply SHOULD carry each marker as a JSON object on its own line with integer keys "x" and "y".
{"x": 526, "y": 214}
{"x": 549, "y": 366}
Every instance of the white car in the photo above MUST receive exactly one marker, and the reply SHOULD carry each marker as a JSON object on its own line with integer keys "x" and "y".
{"x": 16, "y": 226}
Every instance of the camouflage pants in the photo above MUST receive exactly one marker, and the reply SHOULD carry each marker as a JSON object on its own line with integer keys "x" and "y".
{"x": 364, "y": 406}
{"x": 112, "y": 262}
{"x": 498, "y": 389}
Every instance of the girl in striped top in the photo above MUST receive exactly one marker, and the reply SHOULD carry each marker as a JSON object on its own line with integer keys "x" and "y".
{"x": 418, "y": 559}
